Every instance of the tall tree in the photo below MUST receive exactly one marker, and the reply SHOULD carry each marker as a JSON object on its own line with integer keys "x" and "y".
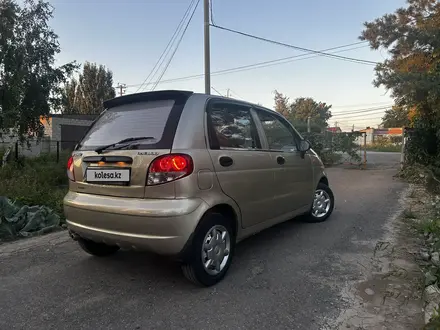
{"x": 70, "y": 101}
{"x": 281, "y": 104}
{"x": 86, "y": 95}
{"x": 396, "y": 117}
{"x": 319, "y": 112}
{"x": 29, "y": 81}
{"x": 412, "y": 73}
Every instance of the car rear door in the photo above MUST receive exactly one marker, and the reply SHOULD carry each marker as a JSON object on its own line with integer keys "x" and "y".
{"x": 121, "y": 170}
{"x": 293, "y": 174}
{"x": 243, "y": 169}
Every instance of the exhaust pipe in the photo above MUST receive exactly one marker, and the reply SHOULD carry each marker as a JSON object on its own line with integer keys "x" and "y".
{"x": 73, "y": 235}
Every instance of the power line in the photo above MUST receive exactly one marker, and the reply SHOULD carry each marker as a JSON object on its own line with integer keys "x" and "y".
{"x": 235, "y": 93}
{"x": 345, "y": 58}
{"x": 362, "y": 105}
{"x": 374, "y": 112}
{"x": 362, "y": 118}
{"x": 360, "y": 110}
{"x": 166, "y": 50}
{"x": 177, "y": 46}
{"x": 217, "y": 91}
{"x": 259, "y": 65}
{"x": 211, "y": 12}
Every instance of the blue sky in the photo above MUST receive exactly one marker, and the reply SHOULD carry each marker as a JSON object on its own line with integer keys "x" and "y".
{"x": 129, "y": 36}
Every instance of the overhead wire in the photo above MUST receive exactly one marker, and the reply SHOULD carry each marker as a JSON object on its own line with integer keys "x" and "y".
{"x": 166, "y": 50}
{"x": 235, "y": 93}
{"x": 339, "y": 57}
{"x": 215, "y": 90}
{"x": 264, "y": 64}
{"x": 362, "y": 105}
{"x": 375, "y": 115}
{"x": 366, "y": 110}
{"x": 177, "y": 46}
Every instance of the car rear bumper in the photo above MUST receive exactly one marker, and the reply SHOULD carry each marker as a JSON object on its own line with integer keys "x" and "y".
{"x": 163, "y": 226}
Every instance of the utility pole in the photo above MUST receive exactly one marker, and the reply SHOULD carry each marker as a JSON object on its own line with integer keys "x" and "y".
{"x": 227, "y": 92}
{"x": 308, "y": 124}
{"x": 122, "y": 88}
{"x": 207, "y": 47}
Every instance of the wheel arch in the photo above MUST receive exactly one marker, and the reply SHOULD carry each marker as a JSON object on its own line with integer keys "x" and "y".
{"x": 324, "y": 180}
{"x": 229, "y": 213}
{"x": 225, "y": 209}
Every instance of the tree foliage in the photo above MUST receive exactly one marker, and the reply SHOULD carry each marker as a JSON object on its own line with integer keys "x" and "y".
{"x": 319, "y": 112}
{"x": 86, "y": 94}
{"x": 30, "y": 84}
{"x": 396, "y": 117}
{"x": 282, "y": 104}
{"x": 412, "y": 73}
{"x": 301, "y": 108}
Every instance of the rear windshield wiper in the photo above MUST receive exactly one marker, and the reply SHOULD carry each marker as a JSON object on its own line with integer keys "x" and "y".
{"x": 124, "y": 142}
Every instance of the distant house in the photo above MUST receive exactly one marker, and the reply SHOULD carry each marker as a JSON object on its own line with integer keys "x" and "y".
{"x": 67, "y": 129}
{"x": 334, "y": 129}
{"x": 374, "y": 133}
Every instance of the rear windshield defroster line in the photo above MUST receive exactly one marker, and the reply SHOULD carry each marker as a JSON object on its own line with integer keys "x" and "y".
{"x": 178, "y": 97}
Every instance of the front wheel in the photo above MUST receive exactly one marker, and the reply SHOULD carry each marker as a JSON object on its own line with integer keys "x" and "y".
{"x": 323, "y": 204}
{"x": 211, "y": 251}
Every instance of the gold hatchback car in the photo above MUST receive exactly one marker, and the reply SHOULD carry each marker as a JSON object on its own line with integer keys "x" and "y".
{"x": 189, "y": 175}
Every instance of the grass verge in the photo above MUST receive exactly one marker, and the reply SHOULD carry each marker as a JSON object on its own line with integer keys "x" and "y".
{"x": 36, "y": 181}
{"x": 384, "y": 148}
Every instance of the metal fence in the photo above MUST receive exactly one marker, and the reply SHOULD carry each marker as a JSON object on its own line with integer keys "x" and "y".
{"x": 337, "y": 148}
{"x": 35, "y": 148}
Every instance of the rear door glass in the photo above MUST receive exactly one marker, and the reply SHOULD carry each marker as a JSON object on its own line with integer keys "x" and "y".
{"x": 232, "y": 127}
{"x": 144, "y": 119}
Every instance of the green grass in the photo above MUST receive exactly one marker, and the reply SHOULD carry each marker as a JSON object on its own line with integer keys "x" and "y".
{"x": 430, "y": 226}
{"x": 384, "y": 148}
{"x": 36, "y": 181}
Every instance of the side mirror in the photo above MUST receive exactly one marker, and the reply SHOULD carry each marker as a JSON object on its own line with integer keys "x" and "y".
{"x": 304, "y": 146}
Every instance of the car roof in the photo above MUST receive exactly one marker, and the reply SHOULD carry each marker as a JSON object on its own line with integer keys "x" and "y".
{"x": 162, "y": 94}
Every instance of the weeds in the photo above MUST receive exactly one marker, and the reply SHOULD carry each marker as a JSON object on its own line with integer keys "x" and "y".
{"x": 431, "y": 226}
{"x": 36, "y": 181}
{"x": 409, "y": 214}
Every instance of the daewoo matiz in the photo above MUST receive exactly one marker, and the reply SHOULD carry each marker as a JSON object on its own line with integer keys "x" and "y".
{"x": 189, "y": 175}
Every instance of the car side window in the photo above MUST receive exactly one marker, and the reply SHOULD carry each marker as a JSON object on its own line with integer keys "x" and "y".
{"x": 231, "y": 126}
{"x": 279, "y": 134}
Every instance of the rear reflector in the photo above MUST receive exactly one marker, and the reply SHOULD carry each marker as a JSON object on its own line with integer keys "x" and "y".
{"x": 168, "y": 168}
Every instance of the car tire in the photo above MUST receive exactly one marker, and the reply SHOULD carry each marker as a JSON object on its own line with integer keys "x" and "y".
{"x": 97, "y": 249}
{"x": 194, "y": 269}
{"x": 324, "y": 193}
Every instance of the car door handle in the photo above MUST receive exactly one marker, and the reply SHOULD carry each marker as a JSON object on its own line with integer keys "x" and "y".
{"x": 281, "y": 160}
{"x": 226, "y": 161}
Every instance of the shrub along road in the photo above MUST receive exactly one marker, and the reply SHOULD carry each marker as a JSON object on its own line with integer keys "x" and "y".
{"x": 288, "y": 277}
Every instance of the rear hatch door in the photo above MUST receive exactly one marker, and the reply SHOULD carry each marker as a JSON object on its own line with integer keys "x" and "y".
{"x": 113, "y": 157}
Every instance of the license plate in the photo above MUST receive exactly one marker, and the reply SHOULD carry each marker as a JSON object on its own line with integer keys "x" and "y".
{"x": 108, "y": 175}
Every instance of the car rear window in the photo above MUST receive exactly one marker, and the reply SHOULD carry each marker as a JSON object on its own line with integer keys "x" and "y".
{"x": 130, "y": 120}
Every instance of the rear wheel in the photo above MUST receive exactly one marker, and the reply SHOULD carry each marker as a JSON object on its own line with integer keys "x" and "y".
{"x": 323, "y": 204}
{"x": 211, "y": 251}
{"x": 97, "y": 249}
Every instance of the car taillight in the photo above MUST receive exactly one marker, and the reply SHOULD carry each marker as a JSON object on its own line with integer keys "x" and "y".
{"x": 168, "y": 168}
{"x": 70, "y": 173}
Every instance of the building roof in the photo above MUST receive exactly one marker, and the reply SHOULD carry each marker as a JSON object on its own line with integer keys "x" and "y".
{"x": 73, "y": 116}
{"x": 334, "y": 129}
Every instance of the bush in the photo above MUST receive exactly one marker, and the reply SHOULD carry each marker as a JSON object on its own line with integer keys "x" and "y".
{"x": 329, "y": 146}
{"x": 36, "y": 181}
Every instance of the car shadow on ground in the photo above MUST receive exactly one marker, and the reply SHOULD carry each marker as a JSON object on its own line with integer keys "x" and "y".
{"x": 147, "y": 268}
